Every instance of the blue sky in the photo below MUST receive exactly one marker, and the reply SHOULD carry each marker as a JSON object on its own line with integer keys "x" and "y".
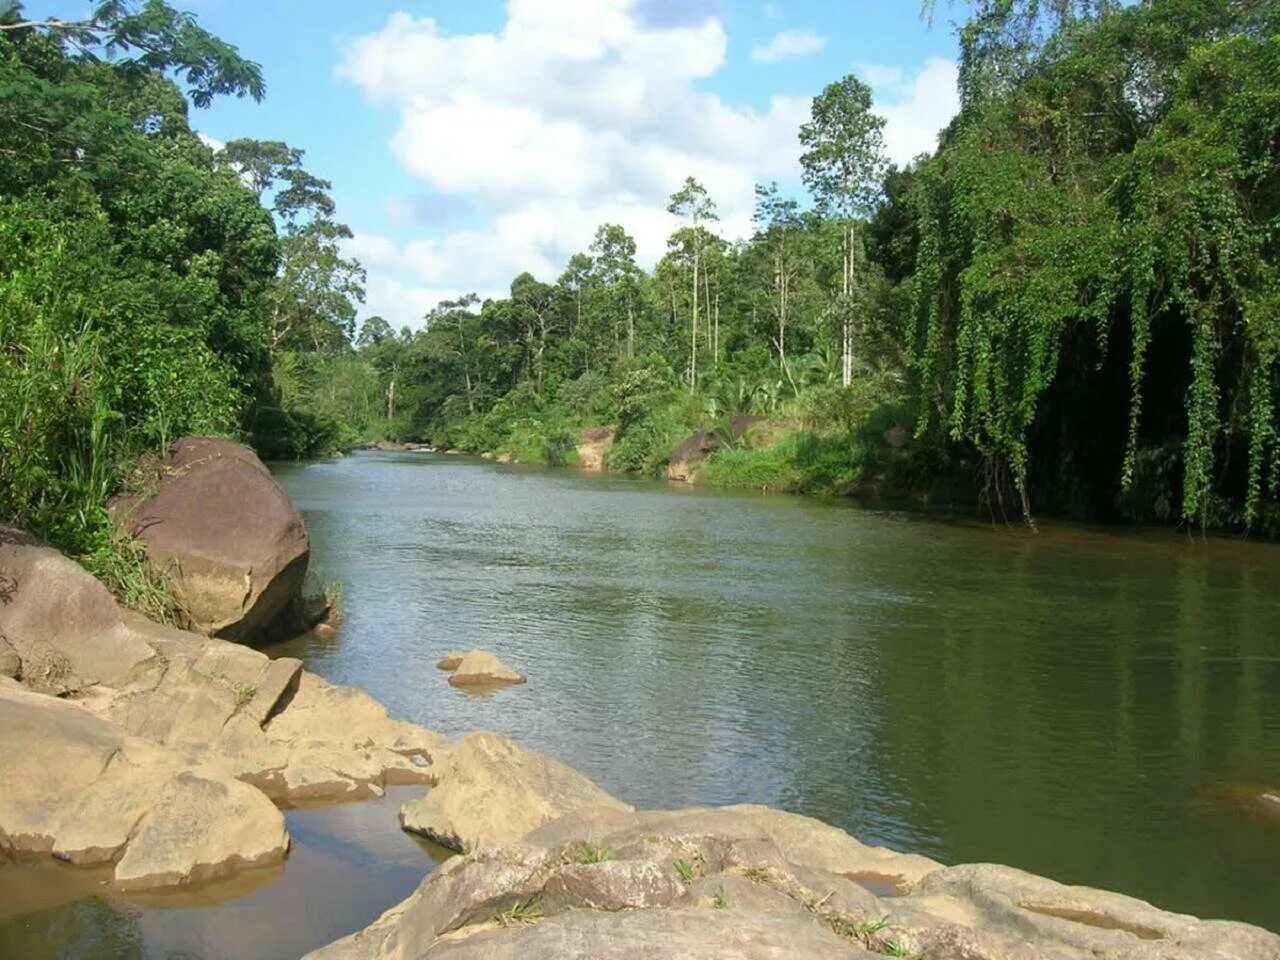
{"x": 468, "y": 140}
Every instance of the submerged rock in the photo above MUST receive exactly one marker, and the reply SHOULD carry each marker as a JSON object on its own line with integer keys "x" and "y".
{"x": 225, "y": 531}
{"x": 479, "y": 668}
{"x": 492, "y": 791}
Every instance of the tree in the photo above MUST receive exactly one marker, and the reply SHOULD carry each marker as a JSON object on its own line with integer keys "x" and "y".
{"x": 692, "y": 203}
{"x": 843, "y": 166}
{"x": 615, "y": 270}
{"x": 778, "y": 228}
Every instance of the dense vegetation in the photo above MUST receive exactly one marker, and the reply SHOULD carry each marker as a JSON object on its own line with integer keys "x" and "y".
{"x": 145, "y": 291}
{"x": 1071, "y": 307}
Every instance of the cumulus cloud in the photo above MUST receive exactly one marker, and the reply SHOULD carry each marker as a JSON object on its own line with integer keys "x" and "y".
{"x": 788, "y": 43}
{"x": 915, "y": 106}
{"x": 572, "y": 114}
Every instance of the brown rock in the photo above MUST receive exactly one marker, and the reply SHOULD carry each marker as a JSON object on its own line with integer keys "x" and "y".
{"x": 228, "y": 534}
{"x": 76, "y": 787}
{"x": 480, "y": 668}
{"x": 280, "y": 677}
{"x": 493, "y": 791}
{"x": 62, "y": 623}
{"x": 450, "y": 661}
{"x": 595, "y": 443}
{"x": 200, "y": 829}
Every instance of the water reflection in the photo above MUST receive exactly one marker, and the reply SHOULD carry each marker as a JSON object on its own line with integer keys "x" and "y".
{"x": 348, "y": 864}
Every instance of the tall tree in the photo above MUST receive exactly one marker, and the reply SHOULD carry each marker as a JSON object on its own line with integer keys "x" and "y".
{"x": 692, "y": 204}
{"x": 843, "y": 166}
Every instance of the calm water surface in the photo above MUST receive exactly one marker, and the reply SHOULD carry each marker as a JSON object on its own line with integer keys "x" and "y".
{"x": 1079, "y": 703}
{"x": 1086, "y": 704}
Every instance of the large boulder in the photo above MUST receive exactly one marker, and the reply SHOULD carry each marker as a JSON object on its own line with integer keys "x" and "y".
{"x": 225, "y": 531}
{"x": 493, "y": 791}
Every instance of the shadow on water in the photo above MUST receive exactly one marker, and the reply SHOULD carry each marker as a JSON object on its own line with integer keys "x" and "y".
{"x": 348, "y": 863}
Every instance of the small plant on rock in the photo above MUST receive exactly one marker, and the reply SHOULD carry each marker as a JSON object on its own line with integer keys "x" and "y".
{"x": 244, "y": 693}
{"x": 520, "y": 914}
{"x": 685, "y": 870}
{"x": 719, "y": 901}
{"x": 757, "y": 873}
{"x": 589, "y": 853}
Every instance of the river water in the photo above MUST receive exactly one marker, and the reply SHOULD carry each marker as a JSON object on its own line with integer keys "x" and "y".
{"x": 1097, "y": 706}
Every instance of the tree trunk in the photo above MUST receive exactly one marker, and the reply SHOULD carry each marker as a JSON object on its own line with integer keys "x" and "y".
{"x": 693, "y": 330}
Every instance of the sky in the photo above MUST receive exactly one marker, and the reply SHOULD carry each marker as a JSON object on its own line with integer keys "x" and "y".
{"x": 471, "y": 140}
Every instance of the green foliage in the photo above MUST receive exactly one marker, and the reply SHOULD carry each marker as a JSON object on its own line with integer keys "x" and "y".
{"x": 684, "y": 870}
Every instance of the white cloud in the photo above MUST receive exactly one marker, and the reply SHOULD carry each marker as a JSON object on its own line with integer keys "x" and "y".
{"x": 915, "y": 107}
{"x": 210, "y": 142}
{"x": 572, "y": 114}
{"x": 788, "y": 43}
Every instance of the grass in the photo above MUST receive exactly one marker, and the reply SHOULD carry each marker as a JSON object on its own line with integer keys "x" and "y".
{"x": 719, "y": 901}
{"x": 588, "y": 853}
{"x": 757, "y": 873}
{"x": 685, "y": 870}
{"x": 867, "y": 932}
{"x": 520, "y": 914}
{"x": 244, "y": 693}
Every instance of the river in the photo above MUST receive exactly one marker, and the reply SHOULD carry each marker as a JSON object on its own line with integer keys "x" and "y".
{"x": 1094, "y": 705}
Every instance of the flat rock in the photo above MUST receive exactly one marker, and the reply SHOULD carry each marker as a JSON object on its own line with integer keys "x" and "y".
{"x": 76, "y": 787}
{"x": 200, "y": 829}
{"x": 480, "y": 668}
{"x": 493, "y": 791}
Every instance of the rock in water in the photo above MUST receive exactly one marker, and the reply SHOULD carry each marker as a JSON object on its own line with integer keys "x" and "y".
{"x": 480, "y": 668}
{"x": 227, "y": 533}
{"x": 493, "y": 791}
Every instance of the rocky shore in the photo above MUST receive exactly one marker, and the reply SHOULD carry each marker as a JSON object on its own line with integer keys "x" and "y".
{"x": 166, "y": 754}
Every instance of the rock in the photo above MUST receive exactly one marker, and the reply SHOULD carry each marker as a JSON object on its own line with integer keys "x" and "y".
{"x": 10, "y": 662}
{"x": 201, "y": 829}
{"x": 480, "y": 668}
{"x": 685, "y": 459}
{"x": 493, "y": 791}
{"x": 675, "y": 934}
{"x": 78, "y": 788}
{"x": 612, "y": 885}
{"x": 64, "y": 625}
{"x": 450, "y": 661}
{"x": 605, "y": 881}
{"x": 226, "y": 532}
{"x": 594, "y": 444}
{"x": 280, "y": 677}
